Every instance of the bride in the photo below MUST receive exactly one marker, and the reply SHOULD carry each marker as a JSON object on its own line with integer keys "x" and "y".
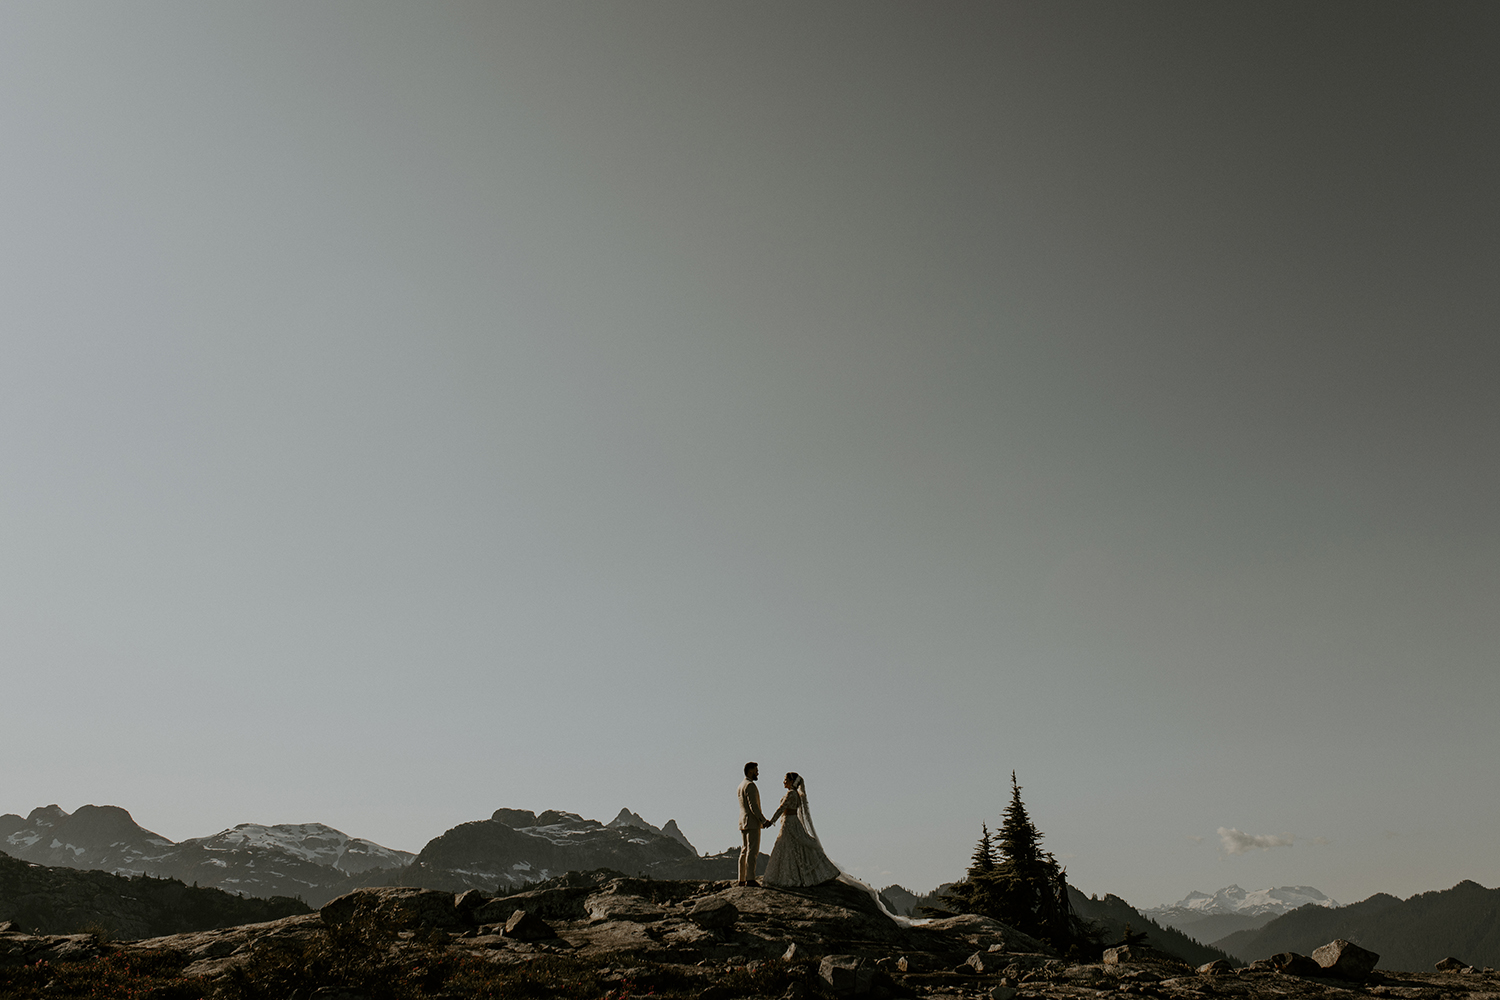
{"x": 797, "y": 858}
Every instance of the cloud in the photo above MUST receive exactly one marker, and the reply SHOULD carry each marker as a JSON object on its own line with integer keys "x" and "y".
{"x": 1236, "y": 842}
{"x": 1194, "y": 838}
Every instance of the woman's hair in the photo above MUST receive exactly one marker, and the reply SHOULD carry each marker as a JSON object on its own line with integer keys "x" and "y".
{"x": 794, "y": 778}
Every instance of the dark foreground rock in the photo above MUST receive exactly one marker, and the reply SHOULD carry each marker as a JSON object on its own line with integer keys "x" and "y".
{"x": 601, "y": 934}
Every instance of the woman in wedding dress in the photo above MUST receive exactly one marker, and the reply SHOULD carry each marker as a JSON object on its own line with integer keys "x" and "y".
{"x": 797, "y": 858}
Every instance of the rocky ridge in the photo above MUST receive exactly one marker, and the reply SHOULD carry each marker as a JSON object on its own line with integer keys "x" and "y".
{"x": 713, "y": 941}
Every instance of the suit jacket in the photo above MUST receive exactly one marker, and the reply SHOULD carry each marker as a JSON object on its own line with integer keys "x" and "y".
{"x": 751, "y": 817}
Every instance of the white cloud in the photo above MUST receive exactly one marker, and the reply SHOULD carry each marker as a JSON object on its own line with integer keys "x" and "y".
{"x": 1238, "y": 842}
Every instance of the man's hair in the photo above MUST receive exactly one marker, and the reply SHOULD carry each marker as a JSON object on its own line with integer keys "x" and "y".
{"x": 750, "y": 767}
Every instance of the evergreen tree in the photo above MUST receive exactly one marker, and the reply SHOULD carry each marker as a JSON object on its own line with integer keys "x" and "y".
{"x": 1015, "y": 881}
{"x": 984, "y": 854}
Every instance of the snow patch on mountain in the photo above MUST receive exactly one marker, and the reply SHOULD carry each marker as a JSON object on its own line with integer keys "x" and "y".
{"x": 1233, "y": 899}
{"x": 322, "y": 845}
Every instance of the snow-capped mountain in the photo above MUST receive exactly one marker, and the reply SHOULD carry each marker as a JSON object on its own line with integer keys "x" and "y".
{"x": 316, "y": 862}
{"x": 309, "y": 860}
{"x": 1209, "y": 917}
{"x": 96, "y": 837}
{"x": 1233, "y": 899}
{"x": 314, "y": 842}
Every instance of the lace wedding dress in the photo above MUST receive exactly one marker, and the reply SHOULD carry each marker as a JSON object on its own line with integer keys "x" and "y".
{"x": 797, "y": 857}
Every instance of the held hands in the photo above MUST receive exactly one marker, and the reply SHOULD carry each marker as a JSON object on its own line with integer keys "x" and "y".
{"x": 765, "y": 824}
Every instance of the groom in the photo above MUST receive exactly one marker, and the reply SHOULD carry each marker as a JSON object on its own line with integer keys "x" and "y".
{"x": 752, "y": 821}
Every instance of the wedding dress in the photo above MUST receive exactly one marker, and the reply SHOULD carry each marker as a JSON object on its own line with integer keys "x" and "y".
{"x": 797, "y": 857}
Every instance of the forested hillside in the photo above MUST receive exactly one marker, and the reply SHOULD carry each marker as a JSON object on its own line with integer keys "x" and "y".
{"x": 1410, "y": 935}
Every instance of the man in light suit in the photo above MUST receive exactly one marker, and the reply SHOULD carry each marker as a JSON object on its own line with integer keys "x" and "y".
{"x": 752, "y": 821}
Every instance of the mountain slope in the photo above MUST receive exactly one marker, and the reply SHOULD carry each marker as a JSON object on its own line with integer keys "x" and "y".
{"x": 55, "y": 900}
{"x": 1409, "y": 935}
{"x": 1112, "y": 915}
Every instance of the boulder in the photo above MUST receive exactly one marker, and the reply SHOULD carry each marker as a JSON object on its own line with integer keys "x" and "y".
{"x": 847, "y": 975}
{"x": 394, "y": 908}
{"x": 713, "y": 914}
{"x": 1119, "y": 956}
{"x": 524, "y": 926}
{"x": 466, "y": 903}
{"x": 793, "y": 953}
{"x": 1003, "y": 993}
{"x": 1346, "y": 959}
{"x": 622, "y": 906}
{"x": 983, "y": 961}
{"x": 1451, "y": 964}
{"x": 1218, "y": 967}
{"x": 1293, "y": 964}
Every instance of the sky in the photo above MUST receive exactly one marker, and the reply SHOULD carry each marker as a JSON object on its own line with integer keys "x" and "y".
{"x": 414, "y": 410}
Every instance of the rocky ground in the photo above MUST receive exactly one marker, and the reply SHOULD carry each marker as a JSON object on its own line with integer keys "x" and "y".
{"x": 601, "y": 934}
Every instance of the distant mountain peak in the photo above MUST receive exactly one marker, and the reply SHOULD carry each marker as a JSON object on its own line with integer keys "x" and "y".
{"x": 1234, "y": 899}
{"x": 626, "y": 818}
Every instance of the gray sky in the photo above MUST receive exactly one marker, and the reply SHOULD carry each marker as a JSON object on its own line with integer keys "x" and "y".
{"x": 411, "y": 410}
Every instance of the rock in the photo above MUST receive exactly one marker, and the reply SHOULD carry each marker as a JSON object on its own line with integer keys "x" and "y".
{"x": 622, "y": 906}
{"x": 524, "y": 926}
{"x": 903, "y": 964}
{"x": 466, "y": 903}
{"x": 1346, "y": 959}
{"x": 1003, "y": 993}
{"x": 982, "y": 962}
{"x": 797, "y": 991}
{"x": 846, "y": 975}
{"x": 792, "y": 953}
{"x": 986, "y": 932}
{"x": 713, "y": 914}
{"x": 1218, "y": 967}
{"x": 1119, "y": 956}
{"x": 391, "y": 908}
{"x": 1293, "y": 964}
{"x": 1451, "y": 964}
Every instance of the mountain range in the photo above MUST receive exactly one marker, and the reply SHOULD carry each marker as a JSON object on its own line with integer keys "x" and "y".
{"x": 315, "y": 863}
{"x": 1209, "y": 917}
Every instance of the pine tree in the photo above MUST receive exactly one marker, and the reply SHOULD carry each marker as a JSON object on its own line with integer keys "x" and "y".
{"x": 984, "y": 854}
{"x": 1015, "y": 881}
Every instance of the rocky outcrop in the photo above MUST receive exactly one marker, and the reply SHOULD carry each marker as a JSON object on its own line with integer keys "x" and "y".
{"x": 603, "y": 932}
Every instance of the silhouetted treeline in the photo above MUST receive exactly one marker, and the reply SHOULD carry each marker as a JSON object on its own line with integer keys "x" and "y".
{"x": 48, "y": 900}
{"x": 1408, "y": 935}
